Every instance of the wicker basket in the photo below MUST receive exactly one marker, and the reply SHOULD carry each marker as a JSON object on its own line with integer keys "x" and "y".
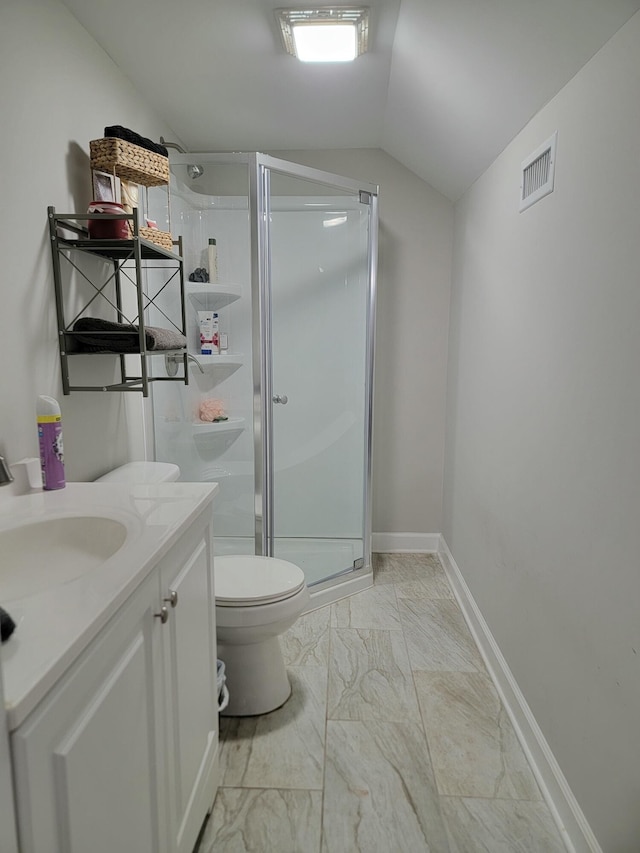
{"x": 129, "y": 161}
{"x": 160, "y": 238}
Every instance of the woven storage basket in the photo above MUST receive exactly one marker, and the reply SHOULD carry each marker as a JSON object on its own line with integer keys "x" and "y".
{"x": 160, "y": 238}
{"x": 128, "y": 161}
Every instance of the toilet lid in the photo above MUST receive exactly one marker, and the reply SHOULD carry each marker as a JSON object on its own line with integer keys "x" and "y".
{"x": 248, "y": 580}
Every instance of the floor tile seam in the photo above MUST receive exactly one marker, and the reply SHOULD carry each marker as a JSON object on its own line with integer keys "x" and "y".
{"x": 501, "y": 799}
{"x": 326, "y": 733}
{"x": 426, "y": 735}
{"x": 337, "y": 628}
{"x": 427, "y": 744}
{"x": 413, "y": 681}
{"x": 421, "y": 597}
{"x": 453, "y": 672}
{"x": 420, "y": 715}
{"x": 417, "y": 600}
{"x": 266, "y": 788}
{"x": 424, "y": 729}
{"x": 378, "y": 719}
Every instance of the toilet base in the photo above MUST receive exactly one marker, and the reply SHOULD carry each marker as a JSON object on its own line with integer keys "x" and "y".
{"x": 256, "y": 677}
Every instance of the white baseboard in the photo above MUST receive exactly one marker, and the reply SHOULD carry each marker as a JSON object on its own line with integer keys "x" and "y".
{"x": 576, "y": 832}
{"x": 423, "y": 543}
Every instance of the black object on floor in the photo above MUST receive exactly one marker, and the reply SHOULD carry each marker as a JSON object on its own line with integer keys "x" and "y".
{"x": 7, "y": 625}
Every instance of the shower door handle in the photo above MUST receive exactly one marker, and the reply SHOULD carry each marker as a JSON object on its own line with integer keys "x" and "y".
{"x": 280, "y": 399}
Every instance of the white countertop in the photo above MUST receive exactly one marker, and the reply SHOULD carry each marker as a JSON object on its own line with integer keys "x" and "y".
{"x": 54, "y": 626}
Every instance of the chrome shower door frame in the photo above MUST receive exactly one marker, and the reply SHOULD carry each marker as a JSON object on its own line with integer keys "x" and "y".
{"x": 260, "y": 168}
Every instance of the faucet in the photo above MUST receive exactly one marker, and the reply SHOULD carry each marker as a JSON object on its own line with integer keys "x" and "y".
{"x": 6, "y": 476}
{"x": 194, "y": 359}
{"x": 172, "y": 361}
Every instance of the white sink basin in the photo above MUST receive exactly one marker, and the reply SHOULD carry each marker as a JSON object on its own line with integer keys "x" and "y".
{"x": 46, "y": 553}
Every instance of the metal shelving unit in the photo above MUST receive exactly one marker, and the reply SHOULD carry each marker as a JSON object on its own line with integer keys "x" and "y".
{"x": 128, "y": 259}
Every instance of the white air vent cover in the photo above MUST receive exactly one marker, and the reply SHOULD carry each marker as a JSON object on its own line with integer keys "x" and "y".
{"x": 537, "y": 173}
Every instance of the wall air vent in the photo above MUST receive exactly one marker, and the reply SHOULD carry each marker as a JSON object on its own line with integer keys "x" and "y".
{"x": 538, "y": 170}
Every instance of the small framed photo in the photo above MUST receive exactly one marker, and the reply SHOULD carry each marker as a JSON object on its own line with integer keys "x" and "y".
{"x": 106, "y": 187}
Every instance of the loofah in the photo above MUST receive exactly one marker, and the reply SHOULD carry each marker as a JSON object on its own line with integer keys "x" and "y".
{"x": 212, "y": 410}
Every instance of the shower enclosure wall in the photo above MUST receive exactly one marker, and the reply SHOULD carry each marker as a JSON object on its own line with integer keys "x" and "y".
{"x": 295, "y": 298}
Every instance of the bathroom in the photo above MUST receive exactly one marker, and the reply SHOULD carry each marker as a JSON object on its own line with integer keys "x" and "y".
{"x": 506, "y": 383}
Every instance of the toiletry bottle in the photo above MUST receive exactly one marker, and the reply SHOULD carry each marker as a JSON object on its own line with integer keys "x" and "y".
{"x": 213, "y": 260}
{"x": 216, "y": 332}
{"x": 50, "y": 438}
{"x": 209, "y": 332}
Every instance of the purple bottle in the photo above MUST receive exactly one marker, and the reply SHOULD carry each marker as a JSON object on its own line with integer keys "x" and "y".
{"x": 50, "y": 438}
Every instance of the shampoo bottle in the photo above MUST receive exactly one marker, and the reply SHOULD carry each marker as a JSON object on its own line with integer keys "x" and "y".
{"x": 50, "y": 438}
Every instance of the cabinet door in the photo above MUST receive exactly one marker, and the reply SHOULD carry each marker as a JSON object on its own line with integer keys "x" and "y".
{"x": 86, "y": 761}
{"x": 8, "y": 837}
{"x": 190, "y": 655}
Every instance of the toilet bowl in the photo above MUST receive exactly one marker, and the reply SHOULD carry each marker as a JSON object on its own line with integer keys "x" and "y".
{"x": 257, "y": 599}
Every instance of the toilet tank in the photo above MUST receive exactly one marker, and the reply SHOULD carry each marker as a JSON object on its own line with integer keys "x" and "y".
{"x": 142, "y": 472}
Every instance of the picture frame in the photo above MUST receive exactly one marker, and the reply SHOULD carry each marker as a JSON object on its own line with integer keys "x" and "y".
{"x": 106, "y": 186}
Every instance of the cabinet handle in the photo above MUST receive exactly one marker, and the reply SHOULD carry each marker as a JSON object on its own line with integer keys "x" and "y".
{"x": 163, "y": 615}
{"x": 173, "y": 598}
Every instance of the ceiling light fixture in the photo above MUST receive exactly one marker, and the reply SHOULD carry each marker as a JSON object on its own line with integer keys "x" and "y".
{"x": 327, "y": 34}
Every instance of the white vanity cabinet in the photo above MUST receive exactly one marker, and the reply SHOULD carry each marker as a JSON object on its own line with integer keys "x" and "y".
{"x": 121, "y": 755}
{"x": 189, "y": 655}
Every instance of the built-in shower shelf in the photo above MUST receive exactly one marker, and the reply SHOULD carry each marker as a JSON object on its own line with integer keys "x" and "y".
{"x": 212, "y": 297}
{"x": 222, "y": 359}
{"x": 215, "y": 472}
{"x": 206, "y": 427}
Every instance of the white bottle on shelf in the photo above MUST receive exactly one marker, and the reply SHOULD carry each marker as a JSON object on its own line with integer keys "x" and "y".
{"x": 213, "y": 260}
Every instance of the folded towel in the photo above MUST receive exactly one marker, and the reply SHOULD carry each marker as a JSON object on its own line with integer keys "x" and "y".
{"x": 135, "y": 139}
{"x": 103, "y": 336}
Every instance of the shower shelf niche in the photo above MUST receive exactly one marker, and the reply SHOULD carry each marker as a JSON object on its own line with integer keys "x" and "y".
{"x": 204, "y": 427}
{"x": 212, "y": 297}
{"x": 220, "y": 359}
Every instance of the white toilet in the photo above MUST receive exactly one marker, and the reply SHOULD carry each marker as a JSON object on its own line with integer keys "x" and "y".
{"x": 257, "y": 599}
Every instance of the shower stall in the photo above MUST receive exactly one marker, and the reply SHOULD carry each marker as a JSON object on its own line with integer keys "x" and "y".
{"x": 295, "y": 302}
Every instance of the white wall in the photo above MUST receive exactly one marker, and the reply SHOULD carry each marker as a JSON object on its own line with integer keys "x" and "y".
{"x": 414, "y": 274}
{"x": 58, "y": 90}
{"x": 542, "y": 487}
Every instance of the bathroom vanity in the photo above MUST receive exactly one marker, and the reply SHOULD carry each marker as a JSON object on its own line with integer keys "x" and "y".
{"x": 110, "y": 678}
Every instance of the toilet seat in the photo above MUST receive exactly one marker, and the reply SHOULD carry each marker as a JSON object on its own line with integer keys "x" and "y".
{"x": 251, "y": 581}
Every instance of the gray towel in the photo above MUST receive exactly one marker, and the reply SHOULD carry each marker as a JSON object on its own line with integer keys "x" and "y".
{"x": 95, "y": 335}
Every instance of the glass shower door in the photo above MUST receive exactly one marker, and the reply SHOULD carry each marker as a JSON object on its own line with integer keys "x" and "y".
{"x": 318, "y": 243}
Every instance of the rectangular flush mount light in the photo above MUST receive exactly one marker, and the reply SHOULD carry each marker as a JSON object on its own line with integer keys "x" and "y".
{"x": 327, "y": 34}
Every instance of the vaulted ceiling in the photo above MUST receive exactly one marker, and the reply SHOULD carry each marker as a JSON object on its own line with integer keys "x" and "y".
{"x": 445, "y": 86}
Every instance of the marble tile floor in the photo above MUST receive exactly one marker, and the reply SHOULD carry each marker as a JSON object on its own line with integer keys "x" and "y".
{"x": 394, "y": 738}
